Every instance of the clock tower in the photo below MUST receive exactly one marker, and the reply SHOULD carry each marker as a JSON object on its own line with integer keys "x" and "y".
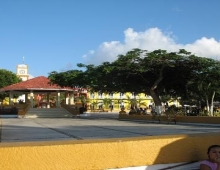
{"x": 22, "y": 71}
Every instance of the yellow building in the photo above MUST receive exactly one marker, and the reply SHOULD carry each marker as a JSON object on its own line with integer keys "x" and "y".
{"x": 115, "y": 101}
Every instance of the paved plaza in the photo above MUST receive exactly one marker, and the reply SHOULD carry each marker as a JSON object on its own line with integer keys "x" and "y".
{"x": 91, "y": 126}
{"x": 98, "y": 126}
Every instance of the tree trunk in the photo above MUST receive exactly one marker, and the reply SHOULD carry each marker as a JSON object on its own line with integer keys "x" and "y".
{"x": 157, "y": 102}
{"x": 156, "y": 98}
{"x": 211, "y": 104}
{"x": 207, "y": 104}
{"x": 154, "y": 95}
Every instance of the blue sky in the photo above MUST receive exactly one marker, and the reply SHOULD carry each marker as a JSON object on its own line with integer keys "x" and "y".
{"x": 55, "y": 35}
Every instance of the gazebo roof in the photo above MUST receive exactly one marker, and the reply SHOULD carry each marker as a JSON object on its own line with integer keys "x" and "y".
{"x": 40, "y": 83}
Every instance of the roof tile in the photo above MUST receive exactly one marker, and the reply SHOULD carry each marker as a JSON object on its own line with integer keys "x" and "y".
{"x": 40, "y": 82}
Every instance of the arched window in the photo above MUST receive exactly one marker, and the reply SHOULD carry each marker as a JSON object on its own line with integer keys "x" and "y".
{"x": 111, "y": 95}
{"x": 92, "y": 95}
{"x": 121, "y": 95}
{"x": 100, "y": 95}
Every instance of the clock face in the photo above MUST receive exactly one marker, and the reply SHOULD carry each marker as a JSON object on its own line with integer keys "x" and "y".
{"x": 22, "y": 72}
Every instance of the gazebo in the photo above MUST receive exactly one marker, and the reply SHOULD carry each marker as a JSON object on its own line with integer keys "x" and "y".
{"x": 39, "y": 85}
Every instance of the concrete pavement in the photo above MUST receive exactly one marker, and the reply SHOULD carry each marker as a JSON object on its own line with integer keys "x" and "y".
{"x": 91, "y": 126}
{"x": 97, "y": 126}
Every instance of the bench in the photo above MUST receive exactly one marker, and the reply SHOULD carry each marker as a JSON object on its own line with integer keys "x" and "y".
{"x": 168, "y": 118}
{"x": 171, "y": 118}
{"x": 156, "y": 117}
{"x": 98, "y": 110}
{"x": 172, "y": 112}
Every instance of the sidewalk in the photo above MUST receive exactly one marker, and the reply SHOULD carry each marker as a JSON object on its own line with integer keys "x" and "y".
{"x": 172, "y": 166}
{"x": 99, "y": 126}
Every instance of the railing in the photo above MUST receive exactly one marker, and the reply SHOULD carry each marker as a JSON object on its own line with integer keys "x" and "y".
{"x": 25, "y": 108}
{"x": 71, "y": 108}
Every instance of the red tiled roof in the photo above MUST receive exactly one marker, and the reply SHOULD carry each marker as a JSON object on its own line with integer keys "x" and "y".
{"x": 37, "y": 83}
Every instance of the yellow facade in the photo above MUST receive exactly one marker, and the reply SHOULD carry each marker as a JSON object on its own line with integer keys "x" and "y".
{"x": 118, "y": 100}
{"x": 105, "y": 100}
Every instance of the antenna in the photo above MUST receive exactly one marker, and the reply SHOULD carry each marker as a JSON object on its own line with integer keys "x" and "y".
{"x": 23, "y": 59}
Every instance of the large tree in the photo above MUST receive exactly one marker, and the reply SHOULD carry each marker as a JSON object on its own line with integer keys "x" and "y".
{"x": 205, "y": 84}
{"x": 158, "y": 73}
{"x": 7, "y": 78}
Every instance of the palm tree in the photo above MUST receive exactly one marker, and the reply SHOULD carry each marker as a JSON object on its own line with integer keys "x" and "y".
{"x": 134, "y": 102}
{"x": 94, "y": 105}
{"x": 84, "y": 101}
{"x": 107, "y": 102}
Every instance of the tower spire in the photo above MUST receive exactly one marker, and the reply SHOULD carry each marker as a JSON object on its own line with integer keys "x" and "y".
{"x": 23, "y": 59}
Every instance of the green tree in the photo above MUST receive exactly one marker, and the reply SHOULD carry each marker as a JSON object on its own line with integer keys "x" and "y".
{"x": 204, "y": 87}
{"x": 107, "y": 102}
{"x": 135, "y": 102}
{"x": 94, "y": 105}
{"x": 157, "y": 73}
{"x": 83, "y": 100}
{"x": 7, "y": 78}
{"x": 71, "y": 78}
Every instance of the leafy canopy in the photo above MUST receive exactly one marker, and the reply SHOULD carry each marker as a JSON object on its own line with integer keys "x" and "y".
{"x": 156, "y": 73}
{"x": 7, "y": 78}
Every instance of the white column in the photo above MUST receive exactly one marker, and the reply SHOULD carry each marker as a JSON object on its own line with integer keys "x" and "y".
{"x": 26, "y": 98}
{"x": 58, "y": 99}
{"x": 32, "y": 99}
{"x": 48, "y": 100}
{"x": 72, "y": 98}
{"x": 67, "y": 98}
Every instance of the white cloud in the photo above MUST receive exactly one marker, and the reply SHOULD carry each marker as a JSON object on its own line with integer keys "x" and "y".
{"x": 91, "y": 52}
{"x": 151, "y": 39}
{"x": 207, "y": 47}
